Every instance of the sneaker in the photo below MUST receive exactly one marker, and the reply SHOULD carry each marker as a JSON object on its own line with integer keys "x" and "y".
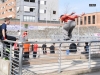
{"x": 6, "y": 58}
{"x": 7, "y": 49}
{"x": 70, "y": 36}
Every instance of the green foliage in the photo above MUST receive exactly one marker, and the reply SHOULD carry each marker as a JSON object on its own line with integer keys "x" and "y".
{"x": 26, "y": 26}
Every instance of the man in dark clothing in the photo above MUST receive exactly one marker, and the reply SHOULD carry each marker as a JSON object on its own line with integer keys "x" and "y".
{"x": 73, "y": 47}
{"x": 4, "y": 36}
{"x": 44, "y": 48}
{"x": 52, "y": 48}
{"x": 86, "y": 47}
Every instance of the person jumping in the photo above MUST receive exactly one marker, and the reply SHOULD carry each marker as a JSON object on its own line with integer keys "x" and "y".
{"x": 69, "y": 24}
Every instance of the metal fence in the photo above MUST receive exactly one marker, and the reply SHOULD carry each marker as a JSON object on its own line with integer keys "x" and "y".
{"x": 56, "y": 60}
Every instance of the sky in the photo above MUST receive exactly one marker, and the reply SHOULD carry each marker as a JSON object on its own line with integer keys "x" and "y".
{"x": 78, "y": 6}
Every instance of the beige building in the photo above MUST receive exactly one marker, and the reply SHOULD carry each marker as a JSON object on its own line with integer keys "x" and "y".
{"x": 89, "y": 19}
{"x": 8, "y": 9}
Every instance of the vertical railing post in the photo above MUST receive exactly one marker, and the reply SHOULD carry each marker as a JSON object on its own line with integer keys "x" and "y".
{"x": 20, "y": 58}
{"x": 89, "y": 64}
{"x": 2, "y": 47}
{"x": 10, "y": 56}
{"x": 59, "y": 59}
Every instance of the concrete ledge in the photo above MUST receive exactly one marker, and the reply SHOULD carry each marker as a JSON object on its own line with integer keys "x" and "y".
{"x": 4, "y": 66}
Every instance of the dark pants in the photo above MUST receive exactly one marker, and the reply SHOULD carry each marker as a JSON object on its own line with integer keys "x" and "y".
{"x": 44, "y": 50}
{"x": 12, "y": 38}
{"x": 34, "y": 54}
{"x": 26, "y": 55}
{"x": 68, "y": 27}
{"x": 7, "y": 45}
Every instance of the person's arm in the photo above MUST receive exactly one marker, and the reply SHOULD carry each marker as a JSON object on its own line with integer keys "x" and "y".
{"x": 3, "y": 31}
{"x": 71, "y": 14}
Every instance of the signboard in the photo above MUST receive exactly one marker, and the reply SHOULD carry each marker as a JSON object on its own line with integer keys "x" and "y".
{"x": 30, "y": 27}
{"x": 97, "y": 34}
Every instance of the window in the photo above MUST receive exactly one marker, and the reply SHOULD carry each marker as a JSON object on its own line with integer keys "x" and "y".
{"x": 18, "y": 17}
{"x": 42, "y": 11}
{"x": 10, "y": 10}
{"x": 32, "y": 9}
{"x": 29, "y": 18}
{"x": 45, "y": 2}
{"x": 77, "y": 21}
{"x": 89, "y": 19}
{"x": 93, "y": 19}
{"x": 29, "y": 9}
{"x": 32, "y": 1}
{"x": 85, "y": 20}
{"x": 81, "y": 21}
{"x": 17, "y": 9}
{"x": 26, "y": 0}
{"x": 3, "y": 12}
{"x": 54, "y": 12}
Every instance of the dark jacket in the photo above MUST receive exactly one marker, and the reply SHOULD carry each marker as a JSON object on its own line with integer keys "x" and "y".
{"x": 73, "y": 47}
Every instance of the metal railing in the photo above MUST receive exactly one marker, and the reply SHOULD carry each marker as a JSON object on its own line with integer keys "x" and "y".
{"x": 59, "y": 60}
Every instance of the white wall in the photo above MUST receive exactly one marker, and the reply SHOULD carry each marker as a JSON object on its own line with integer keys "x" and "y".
{"x": 51, "y": 5}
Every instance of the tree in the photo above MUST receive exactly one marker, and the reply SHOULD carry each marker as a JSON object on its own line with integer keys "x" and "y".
{"x": 26, "y": 26}
{"x": 67, "y": 8}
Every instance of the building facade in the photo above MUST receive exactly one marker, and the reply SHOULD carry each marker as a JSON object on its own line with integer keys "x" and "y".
{"x": 89, "y": 19}
{"x": 30, "y": 10}
{"x": 7, "y": 9}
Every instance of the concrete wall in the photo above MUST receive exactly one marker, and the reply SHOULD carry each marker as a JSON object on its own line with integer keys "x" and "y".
{"x": 4, "y": 66}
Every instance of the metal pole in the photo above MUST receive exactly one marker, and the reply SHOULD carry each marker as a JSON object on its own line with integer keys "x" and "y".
{"x": 59, "y": 59}
{"x": 20, "y": 16}
{"x": 89, "y": 64}
{"x": 46, "y": 21}
{"x": 78, "y": 28}
{"x": 20, "y": 59}
{"x": 10, "y": 59}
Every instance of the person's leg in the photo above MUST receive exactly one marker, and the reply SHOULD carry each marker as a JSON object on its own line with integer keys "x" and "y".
{"x": 35, "y": 54}
{"x": 72, "y": 26}
{"x": 43, "y": 50}
{"x": 27, "y": 55}
{"x": 66, "y": 28}
{"x": 12, "y": 38}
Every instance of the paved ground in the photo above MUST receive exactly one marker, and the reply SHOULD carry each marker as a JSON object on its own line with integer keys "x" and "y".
{"x": 66, "y": 65}
{"x": 95, "y": 73}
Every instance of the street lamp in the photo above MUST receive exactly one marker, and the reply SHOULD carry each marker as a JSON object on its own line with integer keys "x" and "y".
{"x": 46, "y": 16}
